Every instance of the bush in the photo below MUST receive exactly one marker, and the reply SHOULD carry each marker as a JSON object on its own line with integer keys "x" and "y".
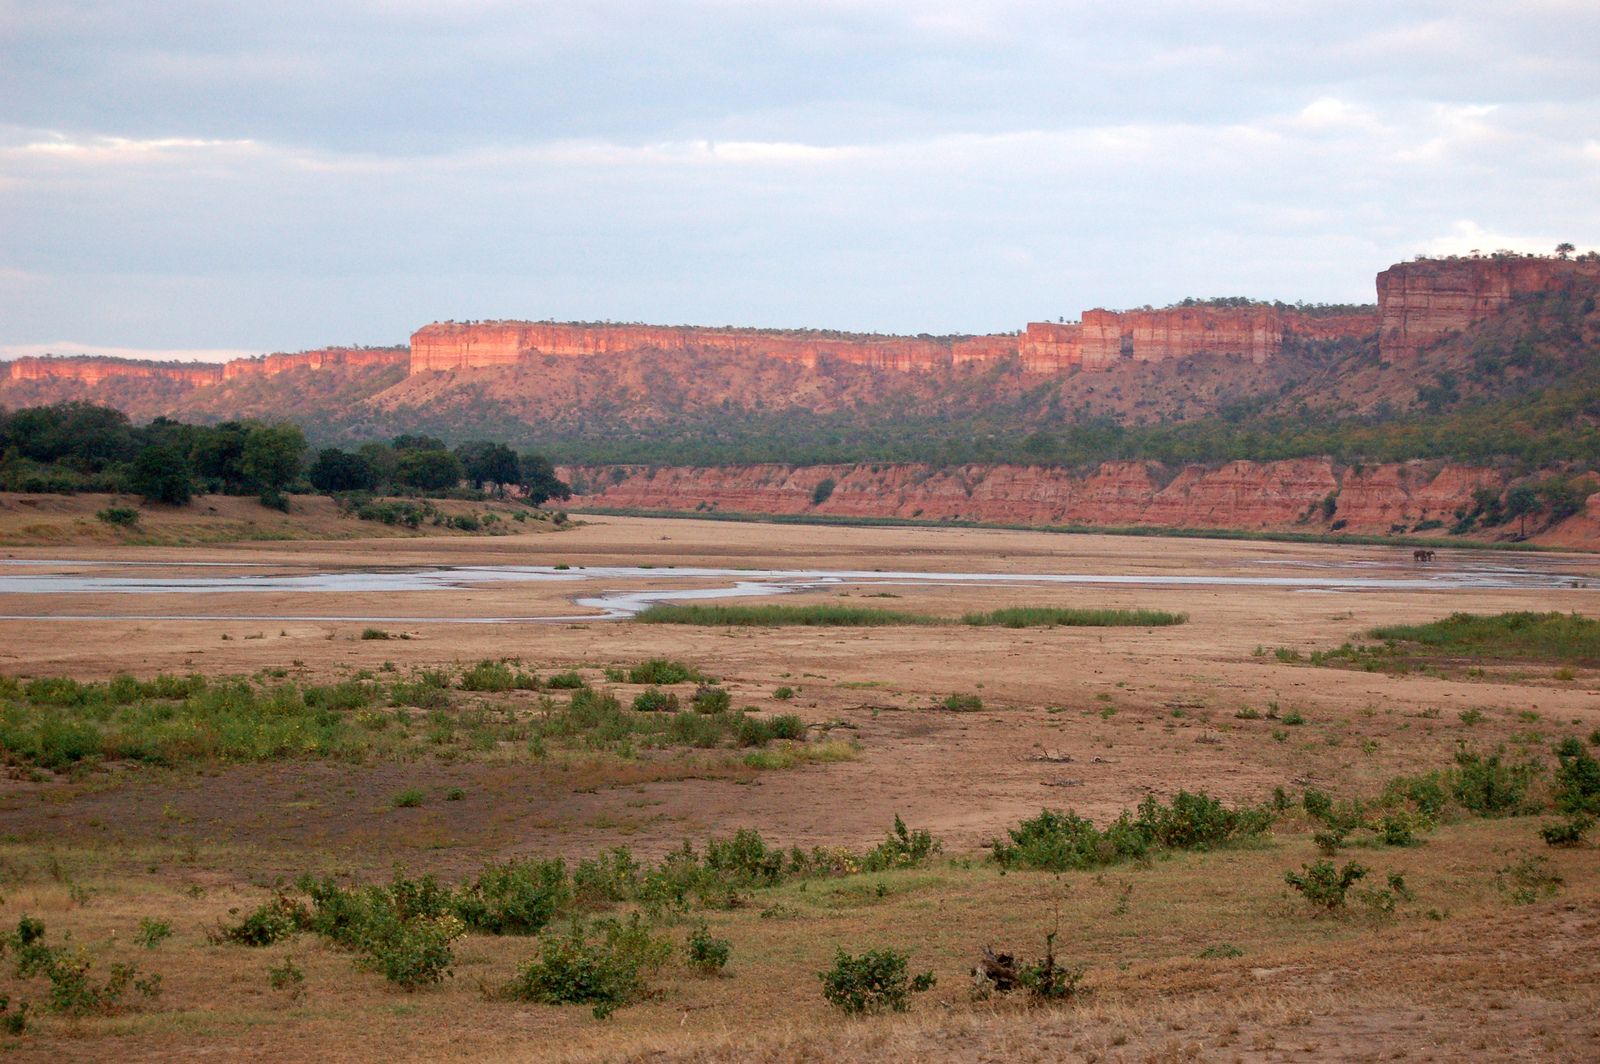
{"x": 655, "y": 700}
{"x": 783, "y": 694}
{"x": 787, "y": 726}
{"x": 410, "y": 953}
{"x": 1569, "y": 832}
{"x": 604, "y": 967}
{"x": 1323, "y": 885}
{"x": 875, "y": 981}
{"x": 1488, "y": 786}
{"x": 960, "y": 703}
{"x": 1057, "y": 841}
{"x": 1047, "y": 980}
{"x": 153, "y": 932}
{"x": 272, "y": 922}
{"x": 119, "y": 516}
{"x": 497, "y": 676}
{"x": 73, "y": 991}
{"x": 1577, "y": 786}
{"x": 709, "y": 699}
{"x": 410, "y": 798}
{"x": 706, "y": 954}
{"x": 902, "y": 849}
{"x": 518, "y": 897}
{"x": 565, "y": 681}
{"x": 375, "y": 633}
{"x": 664, "y": 671}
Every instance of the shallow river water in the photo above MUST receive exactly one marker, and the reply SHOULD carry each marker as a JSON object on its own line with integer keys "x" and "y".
{"x": 622, "y": 595}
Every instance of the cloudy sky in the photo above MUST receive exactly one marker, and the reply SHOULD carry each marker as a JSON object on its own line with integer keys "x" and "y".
{"x": 199, "y": 178}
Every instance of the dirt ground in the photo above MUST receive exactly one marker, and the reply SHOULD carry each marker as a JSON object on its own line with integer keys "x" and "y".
{"x": 1086, "y": 718}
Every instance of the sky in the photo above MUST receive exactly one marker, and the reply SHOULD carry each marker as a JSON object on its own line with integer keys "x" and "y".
{"x": 193, "y": 179}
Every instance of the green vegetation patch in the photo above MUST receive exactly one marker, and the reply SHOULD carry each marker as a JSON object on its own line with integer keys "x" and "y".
{"x": 819, "y": 616}
{"x": 1052, "y": 616}
{"x": 829, "y": 615}
{"x": 1526, "y": 637}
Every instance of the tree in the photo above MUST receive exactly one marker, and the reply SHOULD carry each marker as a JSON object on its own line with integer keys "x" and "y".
{"x": 1564, "y": 249}
{"x": 488, "y": 462}
{"x": 429, "y": 470}
{"x": 539, "y": 480}
{"x": 336, "y": 470}
{"x": 383, "y": 460}
{"x": 216, "y": 455}
{"x": 417, "y": 442}
{"x": 161, "y": 474}
{"x": 271, "y": 456}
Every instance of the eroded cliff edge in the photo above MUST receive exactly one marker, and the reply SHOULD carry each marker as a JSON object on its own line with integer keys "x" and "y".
{"x": 1311, "y": 495}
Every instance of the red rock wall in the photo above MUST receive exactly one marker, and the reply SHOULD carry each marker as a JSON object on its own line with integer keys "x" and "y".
{"x": 1237, "y": 495}
{"x": 91, "y": 371}
{"x": 1419, "y": 303}
{"x": 451, "y": 346}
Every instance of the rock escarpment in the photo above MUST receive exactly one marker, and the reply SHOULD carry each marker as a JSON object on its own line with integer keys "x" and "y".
{"x": 93, "y": 370}
{"x": 1420, "y": 303}
{"x": 1282, "y": 496}
{"x": 1101, "y": 340}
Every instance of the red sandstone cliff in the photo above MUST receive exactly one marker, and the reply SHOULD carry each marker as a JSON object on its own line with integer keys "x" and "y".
{"x": 1421, "y": 302}
{"x": 93, "y": 370}
{"x": 1103, "y": 339}
{"x": 452, "y": 346}
{"x": 1285, "y": 495}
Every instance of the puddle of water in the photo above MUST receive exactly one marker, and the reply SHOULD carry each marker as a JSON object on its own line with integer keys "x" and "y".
{"x": 623, "y": 603}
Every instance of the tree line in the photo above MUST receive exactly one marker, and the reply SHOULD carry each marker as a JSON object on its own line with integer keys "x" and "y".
{"x": 77, "y": 446}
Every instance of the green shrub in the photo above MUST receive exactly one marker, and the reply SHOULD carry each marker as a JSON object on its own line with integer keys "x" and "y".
{"x": 707, "y": 954}
{"x": 603, "y": 966}
{"x": 153, "y": 932}
{"x": 710, "y": 699}
{"x": 74, "y": 991}
{"x": 410, "y": 953}
{"x": 1527, "y": 879}
{"x": 1489, "y": 786}
{"x": 655, "y": 700}
{"x": 876, "y": 981}
{"x": 1048, "y": 616}
{"x": 903, "y": 848}
{"x": 13, "y": 1021}
{"x": 664, "y": 671}
{"x": 287, "y": 977}
{"x": 1323, "y": 885}
{"x": 787, "y": 726}
{"x": 565, "y": 681}
{"x": 119, "y": 516}
{"x": 783, "y": 694}
{"x": 410, "y": 798}
{"x": 497, "y": 676}
{"x": 270, "y": 922}
{"x": 1577, "y": 783}
{"x": 1048, "y": 980}
{"x": 1569, "y": 832}
{"x": 962, "y": 703}
{"x": 518, "y": 897}
{"x": 751, "y": 731}
{"x": 1058, "y": 841}
{"x": 609, "y": 878}
{"x": 375, "y": 633}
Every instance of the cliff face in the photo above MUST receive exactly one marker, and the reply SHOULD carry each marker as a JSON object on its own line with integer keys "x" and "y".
{"x": 1100, "y": 341}
{"x": 452, "y": 346}
{"x": 1419, "y": 303}
{"x": 93, "y": 371}
{"x": 1284, "y": 495}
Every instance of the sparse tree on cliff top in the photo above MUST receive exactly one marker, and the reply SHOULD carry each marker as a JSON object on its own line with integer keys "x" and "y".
{"x": 1564, "y": 249}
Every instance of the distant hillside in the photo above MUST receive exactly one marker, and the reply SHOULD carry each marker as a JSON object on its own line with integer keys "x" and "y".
{"x": 1471, "y": 359}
